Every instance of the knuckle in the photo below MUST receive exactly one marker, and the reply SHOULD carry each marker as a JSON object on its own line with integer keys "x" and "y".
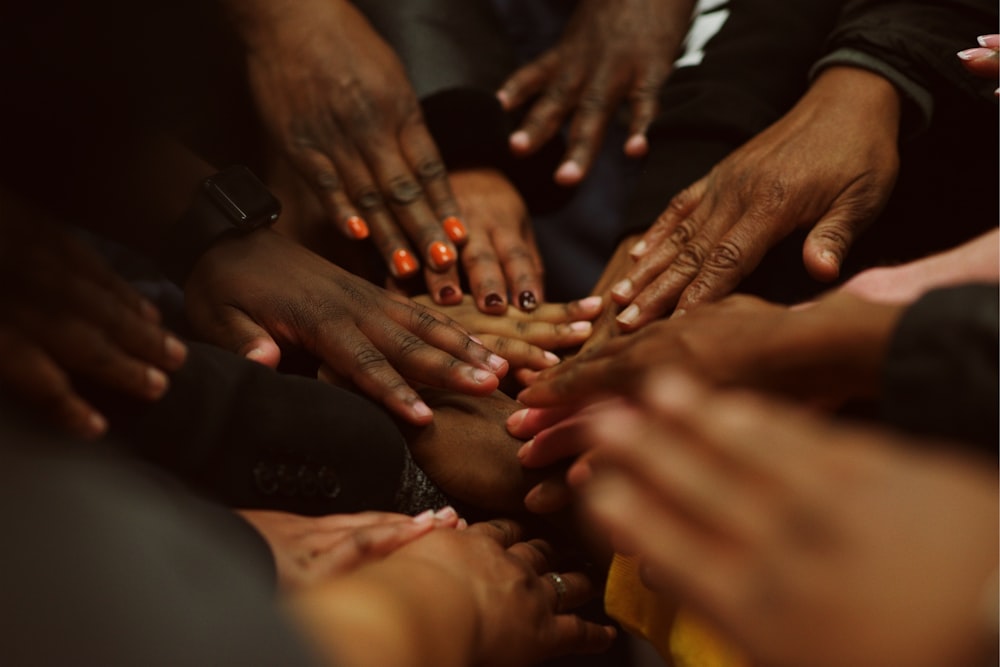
{"x": 431, "y": 170}
{"x": 407, "y": 344}
{"x": 326, "y": 180}
{"x": 725, "y": 256}
{"x": 834, "y": 234}
{"x": 690, "y": 260}
{"x": 403, "y": 191}
{"x": 478, "y": 258}
{"x": 368, "y": 200}
{"x": 422, "y": 323}
{"x": 684, "y": 232}
{"x": 368, "y": 359}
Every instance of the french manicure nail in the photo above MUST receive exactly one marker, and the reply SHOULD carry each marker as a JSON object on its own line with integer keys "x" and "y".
{"x": 629, "y": 315}
{"x": 441, "y": 256}
{"x": 454, "y": 228}
{"x": 357, "y": 227}
{"x": 623, "y": 289}
{"x": 493, "y": 299}
{"x": 404, "y": 263}
{"x": 527, "y": 300}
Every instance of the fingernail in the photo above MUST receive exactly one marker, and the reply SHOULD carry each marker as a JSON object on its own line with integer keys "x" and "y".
{"x": 525, "y": 449}
{"x": 175, "y": 349}
{"x": 493, "y": 299}
{"x": 976, "y": 54}
{"x": 255, "y": 354}
{"x": 480, "y": 376}
{"x": 447, "y": 292}
{"x": 454, "y": 228}
{"x": 96, "y": 424}
{"x": 591, "y": 303}
{"x": 446, "y": 513}
{"x": 424, "y": 517}
{"x": 552, "y": 357}
{"x": 148, "y": 310}
{"x": 462, "y": 524}
{"x": 829, "y": 258}
{"x": 569, "y": 172}
{"x": 156, "y": 382}
{"x": 477, "y": 341}
{"x": 441, "y": 256}
{"x": 404, "y": 263}
{"x": 357, "y": 227}
{"x": 517, "y": 418}
{"x": 581, "y": 326}
{"x": 629, "y": 315}
{"x": 982, "y": 40}
{"x": 639, "y": 248}
{"x": 527, "y": 300}
{"x": 520, "y": 140}
{"x": 496, "y": 362}
{"x": 420, "y": 409}
{"x": 623, "y": 289}
{"x": 636, "y": 145}
{"x": 503, "y": 98}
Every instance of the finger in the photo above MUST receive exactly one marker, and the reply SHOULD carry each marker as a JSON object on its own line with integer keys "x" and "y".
{"x": 547, "y": 114}
{"x": 444, "y": 287}
{"x": 598, "y": 101}
{"x": 576, "y": 381}
{"x": 643, "y": 100}
{"x": 34, "y": 376}
{"x": 519, "y": 353}
{"x": 322, "y": 176}
{"x": 232, "y": 329}
{"x": 486, "y": 277}
{"x": 582, "y": 309}
{"x": 504, "y": 532}
{"x": 522, "y": 264}
{"x": 369, "y": 543}
{"x": 572, "y": 634}
{"x": 565, "y": 439}
{"x": 542, "y": 334}
{"x": 827, "y": 244}
{"x": 566, "y": 591}
{"x": 426, "y": 163}
{"x": 550, "y": 495}
{"x": 527, "y": 81}
{"x": 982, "y": 61}
{"x": 528, "y": 422}
{"x": 538, "y": 554}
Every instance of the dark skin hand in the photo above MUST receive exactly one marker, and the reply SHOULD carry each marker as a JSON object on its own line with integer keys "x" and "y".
{"x": 612, "y": 51}
{"x": 64, "y": 313}
{"x": 251, "y": 294}
{"x": 791, "y": 533}
{"x": 501, "y": 259}
{"x": 469, "y": 454}
{"x": 717, "y": 231}
{"x": 337, "y": 102}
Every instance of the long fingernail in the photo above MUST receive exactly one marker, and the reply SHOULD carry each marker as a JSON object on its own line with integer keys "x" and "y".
{"x": 357, "y": 227}
{"x": 976, "y": 53}
{"x": 447, "y": 293}
{"x": 493, "y": 300}
{"x": 404, "y": 263}
{"x": 623, "y": 289}
{"x": 639, "y": 249}
{"x": 629, "y": 315}
{"x": 520, "y": 140}
{"x": 454, "y": 228}
{"x": 527, "y": 300}
{"x": 569, "y": 173}
{"x": 441, "y": 256}
{"x": 175, "y": 349}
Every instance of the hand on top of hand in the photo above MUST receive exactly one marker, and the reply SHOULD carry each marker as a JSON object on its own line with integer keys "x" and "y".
{"x": 65, "y": 313}
{"x": 612, "y": 51}
{"x": 337, "y": 101}
{"x": 717, "y": 231}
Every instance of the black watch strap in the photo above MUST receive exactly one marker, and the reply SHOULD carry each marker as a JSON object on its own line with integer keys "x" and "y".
{"x": 232, "y": 202}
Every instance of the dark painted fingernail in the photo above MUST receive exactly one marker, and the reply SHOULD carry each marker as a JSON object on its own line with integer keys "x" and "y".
{"x": 447, "y": 292}
{"x": 493, "y": 299}
{"x": 527, "y": 300}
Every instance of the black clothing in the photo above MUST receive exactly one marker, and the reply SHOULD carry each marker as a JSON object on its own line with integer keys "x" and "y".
{"x": 941, "y": 375}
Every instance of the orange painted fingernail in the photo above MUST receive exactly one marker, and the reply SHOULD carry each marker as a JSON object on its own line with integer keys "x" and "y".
{"x": 454, "y": 228}
{"x": 404, "y": 263}
{"x": 357, "y": 227}
{"x": 441, "y": 255}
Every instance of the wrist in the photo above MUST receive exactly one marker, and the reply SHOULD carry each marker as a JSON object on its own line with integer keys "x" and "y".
{"x": 871, "y": 97}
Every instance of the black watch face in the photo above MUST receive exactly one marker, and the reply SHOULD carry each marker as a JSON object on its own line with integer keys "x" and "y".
{"x": 247, "y": 201}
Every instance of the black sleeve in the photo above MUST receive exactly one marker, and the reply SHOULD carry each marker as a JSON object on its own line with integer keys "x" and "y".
{"x": 913, "y": 43}
{"x": 754, "y": 69}
{"x": 941, "y": 376}
{"x": 109, "y": 563}
{"x": 250, "y": 437}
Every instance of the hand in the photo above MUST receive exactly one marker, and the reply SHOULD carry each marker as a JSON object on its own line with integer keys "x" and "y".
{"x": 492, "y": 605}
{"x": 526, "y": 340}
{"x": 983, "y": 61}
{"x": 825, "y": 353}
{"x": 307, "y": 550}
{"x": 611, "y": 51}
{"x": 337, "y": 101}
{"x": 63, "y": 314}
{"x": 468, "y": 453}
{"x": 716, "y": 232}
{"x": 805, "y": 541}
{"x": 501, "y": 256}
{"x": 249, "y": 293}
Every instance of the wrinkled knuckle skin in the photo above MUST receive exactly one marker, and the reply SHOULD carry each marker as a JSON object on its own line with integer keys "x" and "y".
{"x": 422, "y": 323}
{"x": 690, "y": 260}
{"x": 593, "y": 104}
{"x": 431, "y": 170}
{"x": 327, "y": 181}
{"x": 476, "y": 259}
{"x": 834, "y": 236}
{"x": 725, "y": 257}
{"x": 407, "y": 345}
{"x": 368, "y": 201}
{"x": 368, "y": 359}
{"x": 404, "y": 191}
{"x": 683, "y": 233}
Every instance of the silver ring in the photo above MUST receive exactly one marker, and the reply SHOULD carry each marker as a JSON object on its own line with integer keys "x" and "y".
{"x": 559, "y": 584}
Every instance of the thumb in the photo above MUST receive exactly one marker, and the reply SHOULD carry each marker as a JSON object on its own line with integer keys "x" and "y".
{"x": 827, "y": 244}
{"x": 240, "y": 334}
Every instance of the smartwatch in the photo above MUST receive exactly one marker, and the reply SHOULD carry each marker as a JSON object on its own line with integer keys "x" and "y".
{"x": 231, "y": 202}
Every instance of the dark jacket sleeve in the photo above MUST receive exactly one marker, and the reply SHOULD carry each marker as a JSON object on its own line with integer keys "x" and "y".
{"x": 941, "y": 374}
{"x": 913, "y": 43}
{"x": 753, "y": 70}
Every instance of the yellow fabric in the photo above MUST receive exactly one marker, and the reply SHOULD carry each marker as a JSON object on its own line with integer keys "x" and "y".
{"x": 681, "y": 637}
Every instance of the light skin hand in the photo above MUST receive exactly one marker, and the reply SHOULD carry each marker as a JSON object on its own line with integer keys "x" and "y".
{"x": 337, "y": 102}
{"x": 717, "y": 231}
{"x": 612, "y": 51}
{"x": 63, "y": 314}
{"x": 251, "y": 294}
{"x": 500, "y": 257}
{"x": 791, "y": 533}
{"x": 984, "y": 60}
{"x": 308, "y": 550}
{"x": 492, "y": 605}
{"x": 827, "y": 353}
{"x": 526, "y": 340}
